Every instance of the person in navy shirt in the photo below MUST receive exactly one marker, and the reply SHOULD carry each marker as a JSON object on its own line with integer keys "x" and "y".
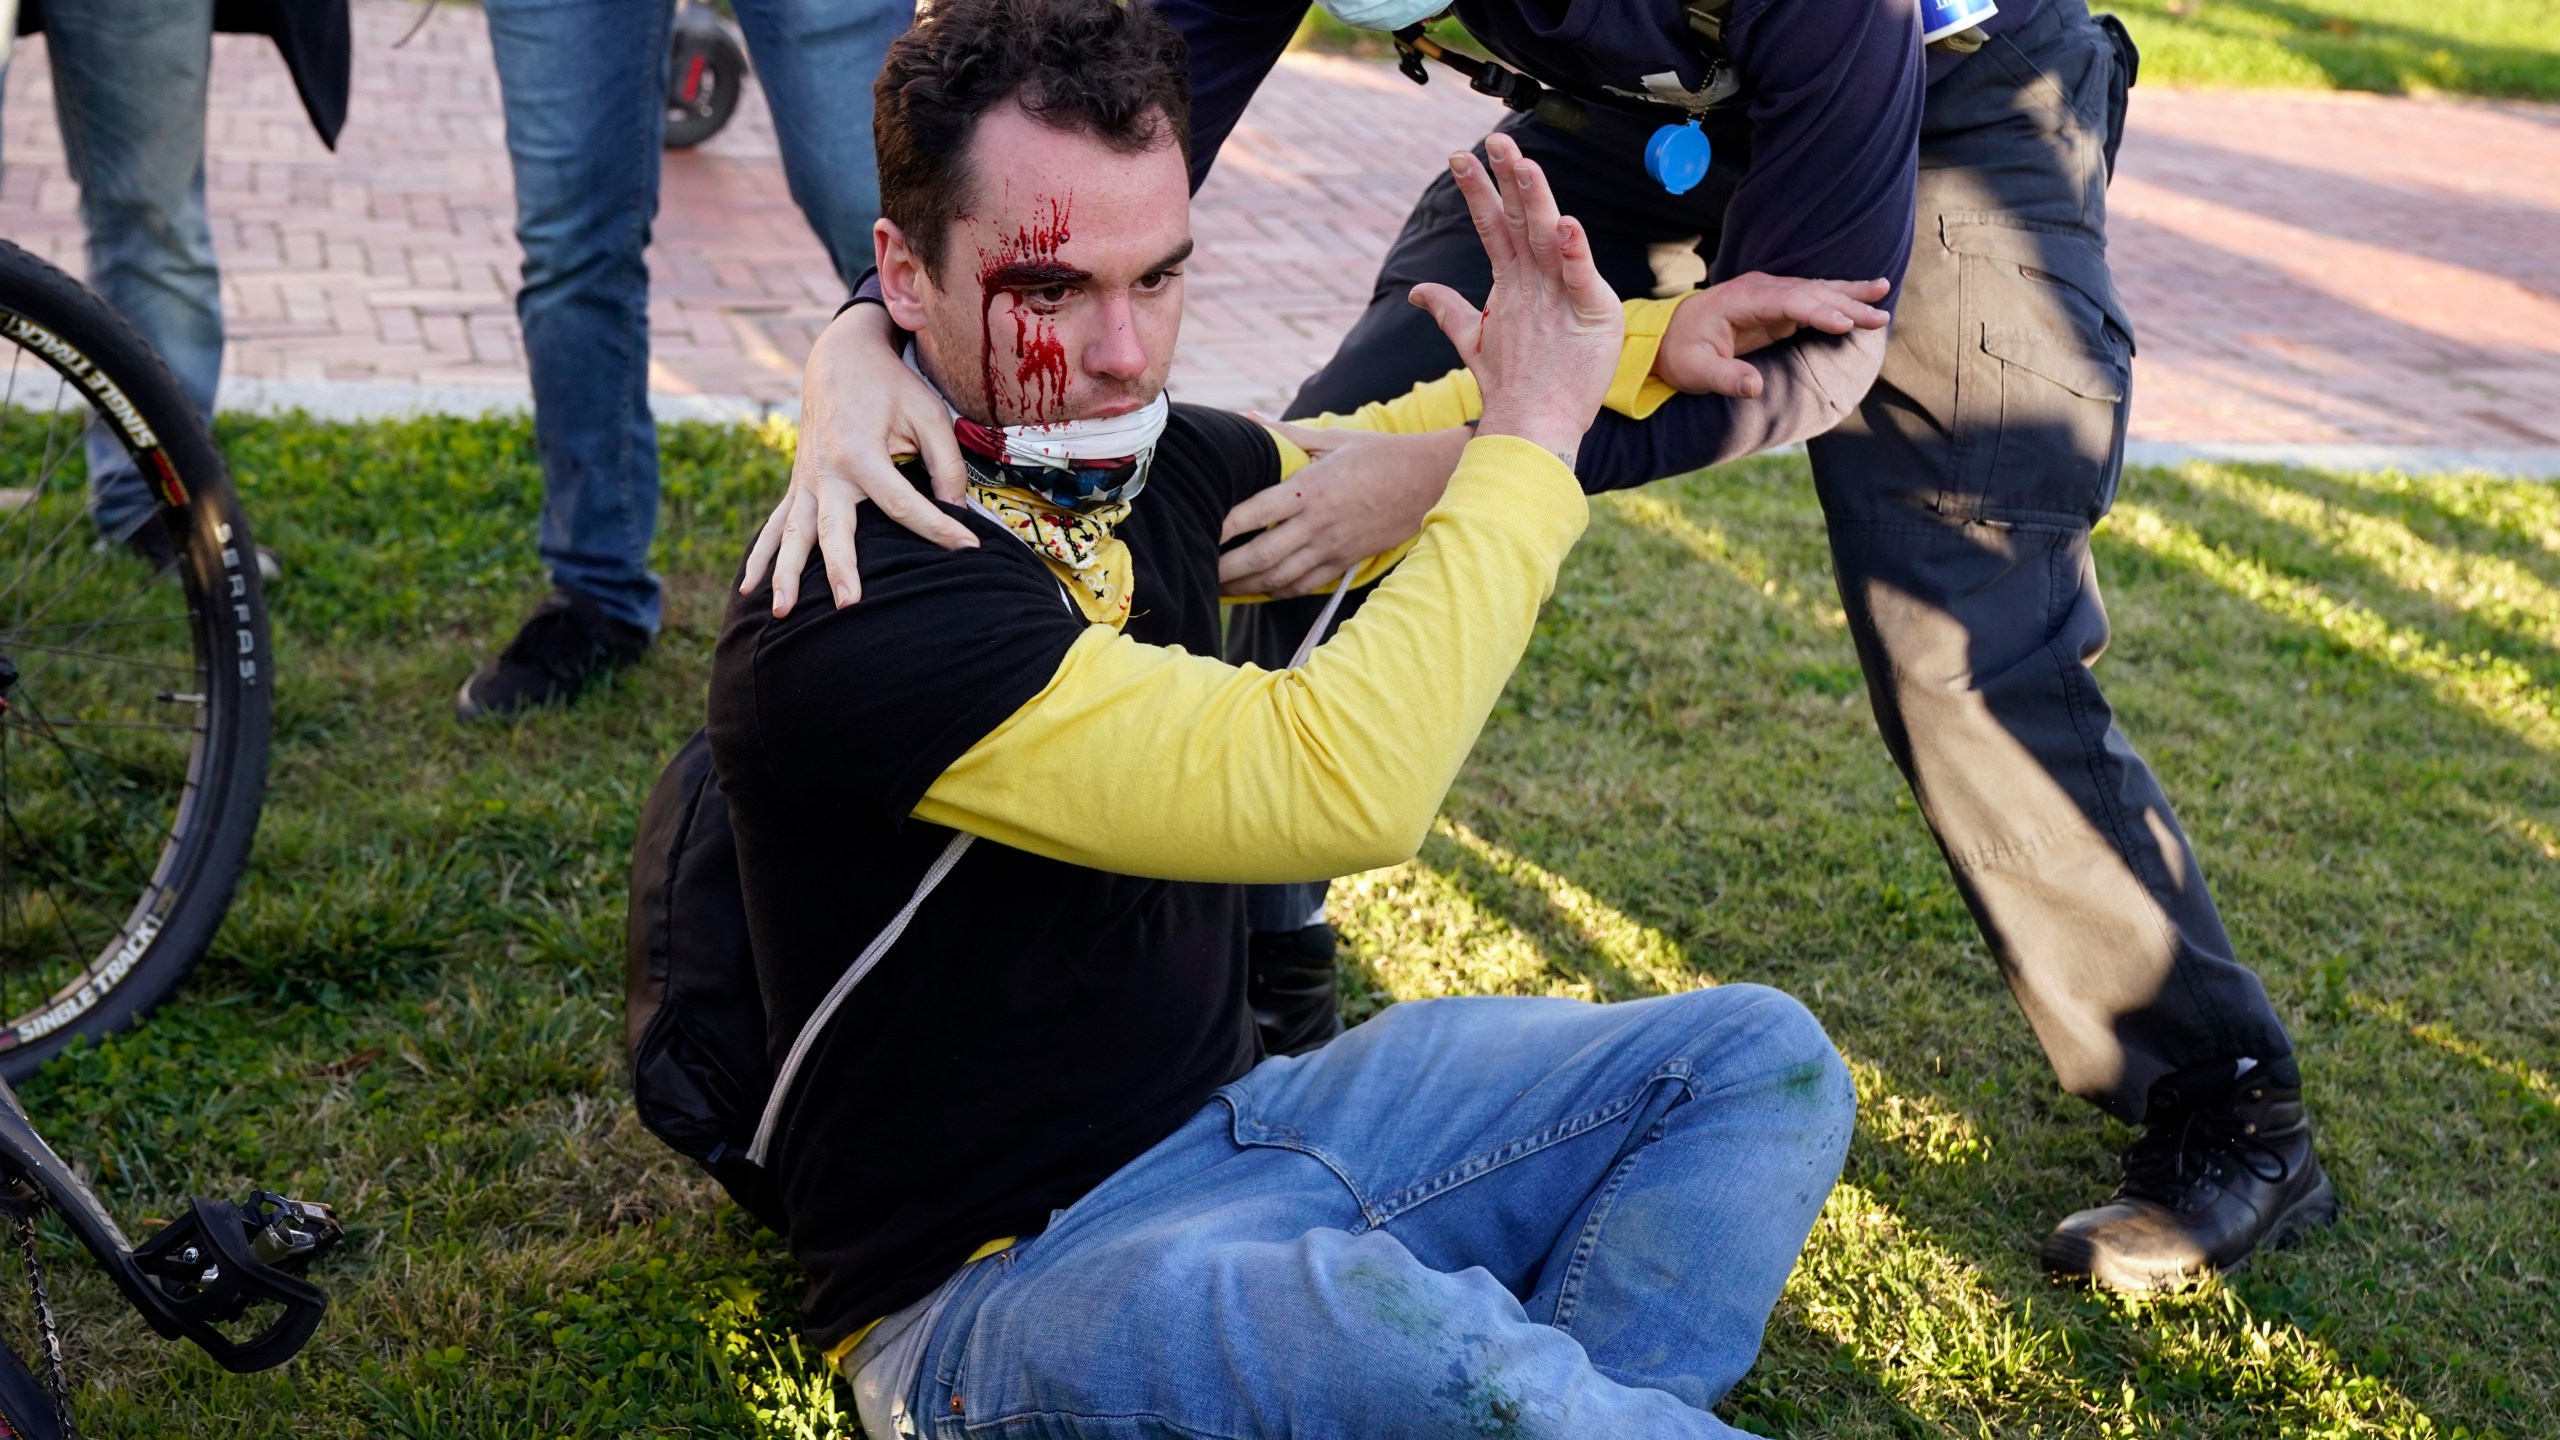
{"x": 1961, "y": 465}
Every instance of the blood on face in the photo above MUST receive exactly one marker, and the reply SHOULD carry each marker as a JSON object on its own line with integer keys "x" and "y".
{"x": 1027, "y": 261}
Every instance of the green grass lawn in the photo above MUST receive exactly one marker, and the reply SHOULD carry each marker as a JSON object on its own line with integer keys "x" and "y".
{"x": 2351, "y": 683}
{"x": 2506, "y": 48}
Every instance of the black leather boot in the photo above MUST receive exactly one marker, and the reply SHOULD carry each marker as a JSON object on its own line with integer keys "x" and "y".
{"x": 2224, "y": 1170}
{"x": 1289, "y": 983}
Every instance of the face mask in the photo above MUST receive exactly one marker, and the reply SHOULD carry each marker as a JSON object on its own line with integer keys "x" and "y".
{"x": 1072, "y": 464}
{"x": 1061, "y": 489}
{"x": 1382, "y": 14}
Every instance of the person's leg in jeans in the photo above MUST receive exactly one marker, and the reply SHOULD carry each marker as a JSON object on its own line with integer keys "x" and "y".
{"x": 129, "y": 85}
{"x": 583, "y": 84}
{"x": 1960, "y": 500}
{"x": 1474, "y": 1215}
{"x": 816, "y": 60}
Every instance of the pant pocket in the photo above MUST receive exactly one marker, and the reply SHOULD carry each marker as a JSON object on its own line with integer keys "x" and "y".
{"x": 2043, "y": 378}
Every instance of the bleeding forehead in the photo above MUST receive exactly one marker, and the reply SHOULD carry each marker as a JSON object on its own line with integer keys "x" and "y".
{"x": 1075, "y": 199}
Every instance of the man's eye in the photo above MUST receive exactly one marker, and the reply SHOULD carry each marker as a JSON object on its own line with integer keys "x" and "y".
{"x": 1049, "y": 297}
{"x": 1151, "y": 284}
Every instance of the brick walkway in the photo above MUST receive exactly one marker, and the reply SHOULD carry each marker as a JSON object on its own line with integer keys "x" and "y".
{"x": 2306, "y": 270}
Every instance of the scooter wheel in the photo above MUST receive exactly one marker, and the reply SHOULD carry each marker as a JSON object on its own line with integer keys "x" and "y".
{"x": 706, "y": 75}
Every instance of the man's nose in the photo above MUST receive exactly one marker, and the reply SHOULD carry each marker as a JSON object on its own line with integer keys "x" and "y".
{"x": 1115, "y": 352}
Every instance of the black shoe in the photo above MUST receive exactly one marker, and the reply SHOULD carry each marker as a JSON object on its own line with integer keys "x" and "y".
{"x": 1289, "y": 983}
{"x": 2225, "y": 1170}
{"x": 568, "y": 645}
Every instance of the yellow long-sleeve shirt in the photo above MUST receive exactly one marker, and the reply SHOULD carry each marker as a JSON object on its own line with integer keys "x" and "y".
{"x": 1252, "y": 776}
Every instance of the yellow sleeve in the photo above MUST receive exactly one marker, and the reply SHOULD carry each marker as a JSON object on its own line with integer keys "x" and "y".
{"x": 1146, "y": 760}
{"x": 1635, "y": 391}
{"x": 1455, "y": 399}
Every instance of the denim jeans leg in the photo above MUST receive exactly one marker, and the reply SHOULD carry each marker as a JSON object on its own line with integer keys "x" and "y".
{"x": 583, "y": 83}
{"x": 1478, "y": 1215}
{"x": 129, "y": 86}
{"x": 816, "y": 60}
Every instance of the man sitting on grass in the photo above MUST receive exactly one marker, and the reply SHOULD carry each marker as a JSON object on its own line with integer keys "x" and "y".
{"x": 1039, "y": 1181}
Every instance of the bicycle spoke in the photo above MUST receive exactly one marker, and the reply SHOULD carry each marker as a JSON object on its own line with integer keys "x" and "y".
{"x": 16, "y": 645}
{"x": 99, "y": 557}
{"x": 44, "y": 475}
{"x": 106, "y": 619}
{"x": 141, "y": 767}
{"x": 129, "y": 762}
{"x": 97, "y": 624}
{"x": 79, "y": 952}
{"x": 78, "y": 518}
{"x": 113, "y": 819}
{"x": 120, "y": 725}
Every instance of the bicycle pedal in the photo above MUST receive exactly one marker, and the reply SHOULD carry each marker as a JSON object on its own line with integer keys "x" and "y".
{"x": 289, "y": 1234}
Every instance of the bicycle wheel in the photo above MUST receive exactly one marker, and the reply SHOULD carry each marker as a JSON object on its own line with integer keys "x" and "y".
{"x": 134, "y": 674}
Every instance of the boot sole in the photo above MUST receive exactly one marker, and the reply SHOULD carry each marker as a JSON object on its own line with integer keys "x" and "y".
{"x": 2072, "y": 1257}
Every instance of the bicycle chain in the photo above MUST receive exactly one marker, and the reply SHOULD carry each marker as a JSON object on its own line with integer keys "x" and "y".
{"x": 57, "y": 1374}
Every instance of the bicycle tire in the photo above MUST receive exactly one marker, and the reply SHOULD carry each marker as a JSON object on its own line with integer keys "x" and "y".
{"x": 71, "y": 809}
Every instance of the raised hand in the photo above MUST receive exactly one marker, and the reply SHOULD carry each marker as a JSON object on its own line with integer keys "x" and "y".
{"x": 1545, "y": 345}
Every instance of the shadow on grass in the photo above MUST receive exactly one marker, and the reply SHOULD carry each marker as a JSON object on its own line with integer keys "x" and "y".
{"x": 2326, "y": 1348}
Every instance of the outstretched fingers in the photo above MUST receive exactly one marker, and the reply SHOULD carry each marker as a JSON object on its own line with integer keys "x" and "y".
{"x": 1593, "y": 300}
{"x": 1485, "y": 208}
{"x": 1530, "y": 204}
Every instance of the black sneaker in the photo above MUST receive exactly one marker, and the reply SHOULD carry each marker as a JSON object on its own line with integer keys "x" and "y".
{"x": 568, "y": 645}
{"x": 1289, "y": 983}
{"x": 2225, "y": 1170}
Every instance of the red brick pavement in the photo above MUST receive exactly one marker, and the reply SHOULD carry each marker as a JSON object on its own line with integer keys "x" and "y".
{"x": 2310, "y": 270}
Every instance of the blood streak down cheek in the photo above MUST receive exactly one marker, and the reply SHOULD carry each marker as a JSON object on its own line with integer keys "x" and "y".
{"x": 1025, "y": 261}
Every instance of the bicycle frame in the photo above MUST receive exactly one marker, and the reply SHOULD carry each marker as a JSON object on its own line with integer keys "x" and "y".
{"x": 206, "y": 1268}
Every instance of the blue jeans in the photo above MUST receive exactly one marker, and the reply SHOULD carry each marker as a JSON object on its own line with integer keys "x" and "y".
{"x": 129, "y": 80}
{"x": 1469, "y": 1216}
{"x": 584, "y": 88}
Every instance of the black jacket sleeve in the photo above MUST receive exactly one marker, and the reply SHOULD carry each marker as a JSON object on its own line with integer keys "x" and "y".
{"x": 1836, "y": 88}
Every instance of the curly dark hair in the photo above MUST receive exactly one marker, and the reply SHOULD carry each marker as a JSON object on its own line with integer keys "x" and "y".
{"x": 1097, "y": 67}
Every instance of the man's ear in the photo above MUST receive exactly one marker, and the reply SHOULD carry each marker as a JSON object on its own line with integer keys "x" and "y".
{"x": 904, "y": 281}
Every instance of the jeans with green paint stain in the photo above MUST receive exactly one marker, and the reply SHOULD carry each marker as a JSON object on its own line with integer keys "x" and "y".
{"x": 1481, "y": 1216}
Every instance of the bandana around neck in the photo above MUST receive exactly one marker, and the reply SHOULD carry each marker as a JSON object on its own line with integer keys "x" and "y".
{"x": 1062, "y": 489}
